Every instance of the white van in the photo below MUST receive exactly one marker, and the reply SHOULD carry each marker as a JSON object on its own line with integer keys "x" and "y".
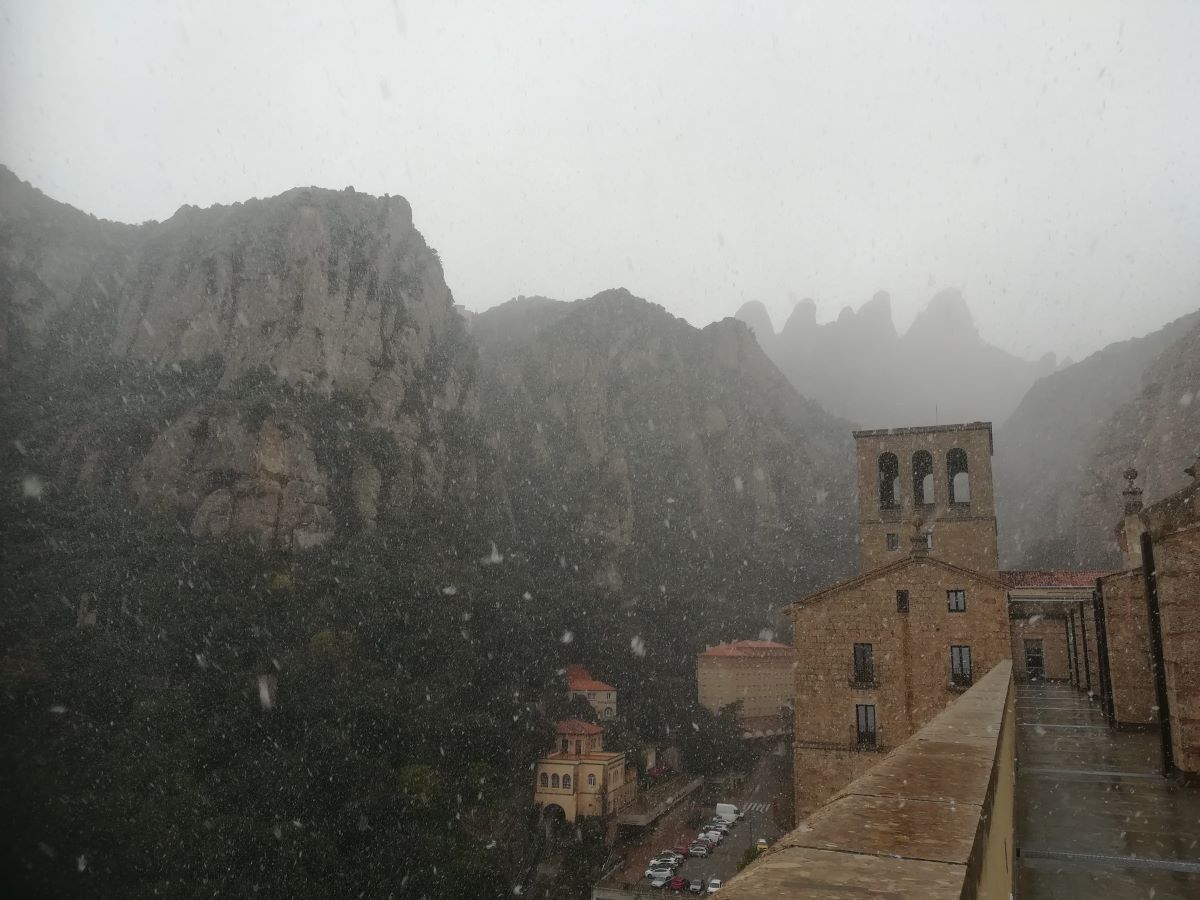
{"x": 729, "y": 812}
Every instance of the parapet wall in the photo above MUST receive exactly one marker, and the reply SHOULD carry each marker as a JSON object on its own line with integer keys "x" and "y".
{"x": 933, "y": 819}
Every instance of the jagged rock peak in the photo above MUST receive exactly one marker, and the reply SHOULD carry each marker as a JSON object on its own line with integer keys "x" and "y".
{"x": 947, "y": 313}
{"x": 803, "y": 318}
{"x": 755, "y": 314}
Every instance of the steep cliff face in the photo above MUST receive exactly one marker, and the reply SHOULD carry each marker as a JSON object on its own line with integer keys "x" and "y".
{"x": 861, "y": 368}
{"x": 650, "y": 439}
{"x": 314, "y": 310}
{"x": 1059, "y": 458}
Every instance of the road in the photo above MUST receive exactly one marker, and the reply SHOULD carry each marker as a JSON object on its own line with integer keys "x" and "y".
{"x": 724, "y": 861}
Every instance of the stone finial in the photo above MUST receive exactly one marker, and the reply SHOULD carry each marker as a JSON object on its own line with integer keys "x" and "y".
{"x": 920, "y": 543}
{"x": 1132, "y": 493}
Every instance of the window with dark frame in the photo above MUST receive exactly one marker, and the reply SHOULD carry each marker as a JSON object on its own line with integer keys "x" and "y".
{"x": 956, "y": 601}
{"x": 893, "y": 541}
{"x": 901, "y": 601}
{"x": 960, "y": 665}
{"x": 864, "y": 715}
{"x": 864, "y": 664}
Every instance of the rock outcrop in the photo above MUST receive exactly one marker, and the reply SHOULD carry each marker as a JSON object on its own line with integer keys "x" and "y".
{"x": 313, "y": 309}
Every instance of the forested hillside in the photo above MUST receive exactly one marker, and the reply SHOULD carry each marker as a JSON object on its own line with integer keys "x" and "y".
{"x": 291, "y": 572}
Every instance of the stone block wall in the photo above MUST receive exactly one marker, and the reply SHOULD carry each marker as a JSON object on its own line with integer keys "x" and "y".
{"x": 1177, "y": 559}
{"x": 1130, "y": 669}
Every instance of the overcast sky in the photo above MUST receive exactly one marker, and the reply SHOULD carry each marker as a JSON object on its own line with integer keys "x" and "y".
{"x": 1043, "y": 157}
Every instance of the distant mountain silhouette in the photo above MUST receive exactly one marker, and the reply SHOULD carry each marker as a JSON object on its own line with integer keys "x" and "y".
{"x": 861, "y": 368}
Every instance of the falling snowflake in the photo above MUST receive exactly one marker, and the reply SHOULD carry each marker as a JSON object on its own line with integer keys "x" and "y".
{"x": 567, "y": 636}
{"x": 737, "y": 483}
{"x": 637, "y": 645}
{"x": 449, "y": 590}
{"x": 58, "y": 710}
{"x": 766, "y": 635}
{"x": 81, "y": 862}
{"x": 494, "y": 558}
{"x": 32, "y": 487}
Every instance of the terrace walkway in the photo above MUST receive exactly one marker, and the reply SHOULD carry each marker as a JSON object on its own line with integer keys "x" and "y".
{"x": 1093, "y": 816}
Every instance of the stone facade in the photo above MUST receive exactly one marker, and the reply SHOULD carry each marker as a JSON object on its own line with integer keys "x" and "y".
{"x": 1049, "y": 628}
{"x": 958, "y": 512}
{"x": 911, "y": 662}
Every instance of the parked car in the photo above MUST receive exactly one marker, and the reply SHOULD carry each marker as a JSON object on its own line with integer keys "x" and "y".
{"x": 660, "y": 870}
{"x": 728, "y": 810}
{"x": 714, "y": 886}
{"x": 760, "y": 845}
{"x": 720, "y": 826}
{"x": 698, "y": 850}
{"x": 669, "y": 859}
{"x": 715, "y": 836}
{"x": 678, "y": 883}
{"x": 696, "y": 887}
{"x": 682, "y": 850}
{"x": 659, "y": 881}
{"x": 671, "y": 854}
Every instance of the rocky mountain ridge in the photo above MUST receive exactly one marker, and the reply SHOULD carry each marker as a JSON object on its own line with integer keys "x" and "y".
{"x": 1061, "y": 455}
{"x": 313, "y": 299}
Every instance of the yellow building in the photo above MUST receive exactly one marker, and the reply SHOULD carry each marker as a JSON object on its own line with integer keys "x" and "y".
{"x": 580, "y": 778}
{"x": 602, "y": 697}
{"x": 760, "y": 674}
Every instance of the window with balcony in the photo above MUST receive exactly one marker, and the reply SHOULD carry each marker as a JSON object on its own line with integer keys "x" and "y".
{"x": 960, "y": 665}
{"x": 544, "y": 780}
{"x": 956, "y": 601}
{"x": 554, "y": 780}
{"x": 864, "y": 715}
{"x": 591, "y": 781}
{"x": 567, "y": 782}
{"x": 864, "y": 665}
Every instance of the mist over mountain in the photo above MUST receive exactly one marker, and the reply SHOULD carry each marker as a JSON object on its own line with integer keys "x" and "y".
{"x": 1060, "y": 457}
{"x": 861, "y": 368}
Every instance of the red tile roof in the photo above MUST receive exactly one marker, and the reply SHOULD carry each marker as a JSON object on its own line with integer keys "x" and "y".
{"x": 576, "y": 726}
{"x": 750, "y": 648}
{"x": 1050, "y": 578}
{"x": 580, "y": 679}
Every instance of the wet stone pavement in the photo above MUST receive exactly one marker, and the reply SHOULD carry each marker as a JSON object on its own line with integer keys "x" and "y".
{"x": 1094, "y": 818}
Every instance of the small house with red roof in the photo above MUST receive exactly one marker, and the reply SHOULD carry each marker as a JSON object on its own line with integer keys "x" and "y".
{"x": 601, "y": 696}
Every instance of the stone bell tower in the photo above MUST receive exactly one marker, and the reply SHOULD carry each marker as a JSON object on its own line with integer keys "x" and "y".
{"x": 933, "y": 483}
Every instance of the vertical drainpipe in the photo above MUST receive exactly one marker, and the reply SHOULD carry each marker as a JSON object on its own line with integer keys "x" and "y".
{"x": 1106, "y": 697}
{"x": 1154, "y": 620}
{"x": 1087, "y": 666}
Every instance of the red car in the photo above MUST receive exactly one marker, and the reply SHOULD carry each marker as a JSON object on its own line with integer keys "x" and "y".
{"x": 678, "y": 883}
{"x": 682, "y": 850}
